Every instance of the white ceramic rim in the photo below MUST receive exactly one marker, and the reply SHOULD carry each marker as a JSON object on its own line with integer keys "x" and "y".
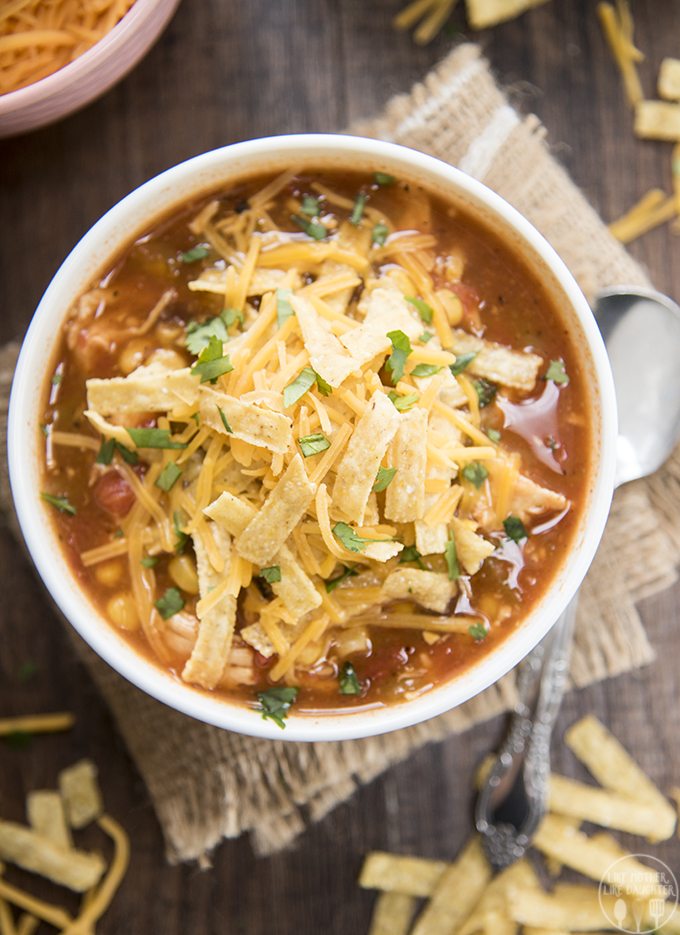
{"x": 51, "y": 86}
{"x": 154, "y": 198}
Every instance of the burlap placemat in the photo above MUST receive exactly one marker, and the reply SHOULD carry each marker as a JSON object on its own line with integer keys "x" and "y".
{"x": 207, "y": 784}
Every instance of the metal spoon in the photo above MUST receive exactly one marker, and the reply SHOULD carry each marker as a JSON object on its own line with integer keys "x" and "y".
{"x": 641, "y": 330}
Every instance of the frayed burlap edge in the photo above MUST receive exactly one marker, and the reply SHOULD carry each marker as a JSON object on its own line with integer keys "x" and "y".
{"x": 208, "y": 784}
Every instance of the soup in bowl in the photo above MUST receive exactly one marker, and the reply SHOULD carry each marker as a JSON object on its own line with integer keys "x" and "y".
{"x": 324, "y": 440}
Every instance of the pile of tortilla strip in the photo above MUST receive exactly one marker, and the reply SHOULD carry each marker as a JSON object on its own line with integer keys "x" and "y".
{"x": 289, "y": 457}
{"x": 45, "y": 845}
{"x": 654, "y": 119}
{"x": 433, "y": 897}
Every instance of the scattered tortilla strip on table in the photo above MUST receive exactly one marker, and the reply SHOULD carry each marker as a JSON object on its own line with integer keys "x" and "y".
{"x": 246, "y": 421}
{"x": 46, "y": 815}
{"x": 515, "y": 369}
{"x": 392, "y": 914}
{"x": 81, "y": 793}
{"x": 458, "y": 891}
{"x": 657, "y": 120}
{"x": 593, "y": 859}
{"x": 326, "y": 354}
{"x": 618, "y": 32}
{"x": 37, "y": 723}
{"x": 471, "y": 548}
{"x": 492, "y": 902}
{"x": 482, "y": 14}
{"x": 386, "y": 310}
{"x": 152, "y": 388}
{"x": 359, "y": 464}
{"x": 430, "y": 589}
{"x": 613, "y": 767}
{"x": 216, "y": 627}
{"x": 405, "y": 496}
{"x": 77, "y": 870}
{"x": 669, "y": 79}
{"x": 282, "y": 511}
{"x": 574, "y": 909}
{"x": 411, "y": 876}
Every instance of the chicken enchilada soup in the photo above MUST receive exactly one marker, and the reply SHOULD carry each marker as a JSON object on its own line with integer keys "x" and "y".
{"x": 316, "y": 440}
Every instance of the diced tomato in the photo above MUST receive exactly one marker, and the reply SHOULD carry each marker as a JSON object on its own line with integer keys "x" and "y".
{"x": 113, "y": 494}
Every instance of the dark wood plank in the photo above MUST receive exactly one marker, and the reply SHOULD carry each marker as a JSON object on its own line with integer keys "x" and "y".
{"x": 229, "y": 71}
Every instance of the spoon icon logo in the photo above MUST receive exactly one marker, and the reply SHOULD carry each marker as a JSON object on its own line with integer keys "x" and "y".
{"x": 638, "y": 895}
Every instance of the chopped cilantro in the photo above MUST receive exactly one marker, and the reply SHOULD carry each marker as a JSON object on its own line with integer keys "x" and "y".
{"x": 106, "y": 450}
{"x": 461, "y": 362}
{"x": 118, "y": 534}
{"x": 169, "y": 476}
{"x": 313, "y": 229}
{"x": 324, "y": 388}
{"x": 304, "y": 381}
{"x": 358, "y": 209}
{"x": 451, "y": 556}
{"x": 494, "y": 435}
{"x": 556, "y": 372}
{"x": 384, "y": 478}
{"x": 170, "y": 603}
{"x": 199, "y": 252}
{"x": 425, "y": 337}
{"x": 349, "y": 683}
{"x": 476, "y": 473}
{"x": 153, "y": 438}
{"x": 411, "y": 554}
{"x": 379, "y": 234}
{"x": 310, "y": 206}
{"x": 486, "y": 392}
{"x": 230, "y": 316}
{"x": 271, "y": 574}
{"x": 425, "y": 370}
{"x": 347, "y": 572}
{"x": 402, "y": 403}
{"x": 284, "y": 309}
{"x": 199, "y": 333}
{"x": 212, "y": 361}
{"x": 275, "y": 703}
{"x": 60, "y": 503}
{"x": 515, "y": 528}
{"x": 401, "y": 348}
{"x": 421, "y": 307}
{"x": 313, "y": 444}
{"x": 383, "y": 179}
{"x": 57, "y": 378}
{"x": 181, "y": 538}
{"x": 129, "y": 456}
{"x": 149, "y": 561}
{"x": 349, "y": 538}
{"x": 477, "y": 631}
{"x": 224, "y": 421}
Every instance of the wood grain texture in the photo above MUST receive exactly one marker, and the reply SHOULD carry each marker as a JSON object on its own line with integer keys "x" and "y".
{"x": 226, "y": 71}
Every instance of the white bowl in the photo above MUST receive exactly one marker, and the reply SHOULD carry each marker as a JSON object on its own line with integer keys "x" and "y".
{"x": 91, "y": 74}
{"x": 130, "y": 218}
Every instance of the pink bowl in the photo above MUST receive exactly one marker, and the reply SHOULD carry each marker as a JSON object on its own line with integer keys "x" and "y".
{"x": 90, "y": 75}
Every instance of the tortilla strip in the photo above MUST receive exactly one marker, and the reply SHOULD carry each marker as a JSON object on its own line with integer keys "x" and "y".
{"x": 559, "y": 839}
{"x": 457, "y": 893}
{"x": 46, "y": 815}
{"x": 497, "y": 363}
{"x": 614, "y": 768}
{"x": 530, "y": 499}
{"x": 669, "y": 79}
{"x": 657, "y": 120}
{"x": 81, "y": 794}
{"x": 216, "y": 629}
{"x": 492, "y": 904}
{"x": 572, "y": 908}
{"x": 430, "y": 589}
{"x": 382, "y": 551}
{"x": 326, "y": 354}
{"x": 405, "y": 497}
{"x": 471, "y": 548}
{"x": 108, "y": 429}
{"x": 282, "y": 511}
{"x": 247, "y": 421}
{"x": 482, "y": 14}
{"x": 295, "y": 588}
{"x": 411, "y": 876}
{"x": 392, "y": 914}
{"x": 386, "y": 310}
{"x": 77, "y": 870}
{"x": 338, "y": 301}
{"x": 359, "y": 465}
{"x": 153, "y": 388}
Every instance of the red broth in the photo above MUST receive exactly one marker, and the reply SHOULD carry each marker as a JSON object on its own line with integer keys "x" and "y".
{"x": 477, "y": 285}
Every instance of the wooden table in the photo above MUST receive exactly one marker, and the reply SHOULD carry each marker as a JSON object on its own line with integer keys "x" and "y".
{"x": 227, "y": 71}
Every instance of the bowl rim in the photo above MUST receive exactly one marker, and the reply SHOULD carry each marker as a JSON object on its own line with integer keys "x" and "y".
{"x": 23, "y": 431}
{"x": 51, "y": 85}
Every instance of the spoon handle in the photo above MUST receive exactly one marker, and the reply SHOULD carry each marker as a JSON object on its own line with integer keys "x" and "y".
{"x": 512, "y": 800}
